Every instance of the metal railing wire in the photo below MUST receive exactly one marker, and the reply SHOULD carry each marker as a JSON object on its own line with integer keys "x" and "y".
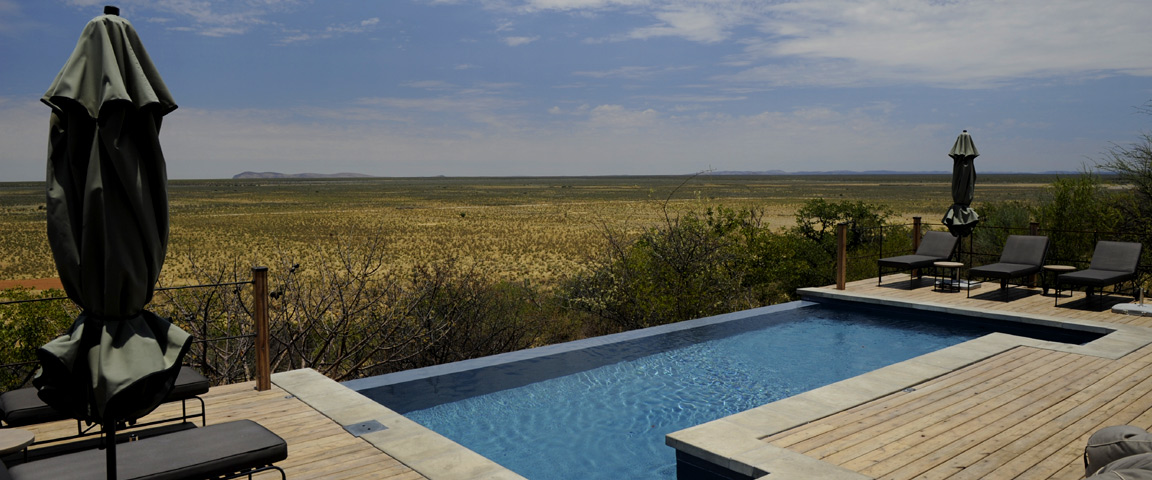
{"x": 988, "y": 251}
{"x": 201, "y": 359}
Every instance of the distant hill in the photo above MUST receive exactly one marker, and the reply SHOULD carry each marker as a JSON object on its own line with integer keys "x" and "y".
{"x": 298, "y": 175}
{"x": 878, "y": 172}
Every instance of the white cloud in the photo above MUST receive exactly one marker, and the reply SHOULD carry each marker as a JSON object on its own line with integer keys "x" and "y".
{"x": 566, "y": 5}
{"x": 695, "y": 24}
{"x": 13, "y": 21}
{"x": 617, "y": 117}
{"x": 518, "y": 41}
{"x": 631, "y": 72}
{"x": 956, "y": 44}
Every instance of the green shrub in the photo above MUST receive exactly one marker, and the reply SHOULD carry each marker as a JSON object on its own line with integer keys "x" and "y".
{"x": 26, "y": 326}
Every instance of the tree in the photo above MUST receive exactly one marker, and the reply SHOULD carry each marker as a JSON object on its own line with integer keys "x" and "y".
{"x": 1132, "y": 165}
{"x": 692, "y": 266}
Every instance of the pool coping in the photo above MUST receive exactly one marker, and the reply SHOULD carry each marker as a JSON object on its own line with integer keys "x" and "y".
{"x": 736, "y": 442}
{"x": 428, "y": 453}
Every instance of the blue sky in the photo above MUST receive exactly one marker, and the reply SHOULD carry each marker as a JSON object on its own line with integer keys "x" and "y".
{"x": 601, "y": 87}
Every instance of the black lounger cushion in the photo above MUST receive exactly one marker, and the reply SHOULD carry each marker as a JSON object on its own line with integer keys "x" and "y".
{"x": 1095, "y": 278}
{"x": 22, "y": 407}
{"x": 189, "y": 383}
{"x": 1022, "y": 255}
{"x": 205, "y": 452}
{"x": 934, "y": 247}
{"x": 1112, "y": 263}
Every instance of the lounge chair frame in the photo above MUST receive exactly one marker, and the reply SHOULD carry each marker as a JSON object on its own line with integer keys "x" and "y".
{"x": 228, "y": 450}
{"x": 191, "y": 389}
{"x": 935, "y": 246}
{"x": 1113, "y": 264}
{"x": 1022, "y": 256}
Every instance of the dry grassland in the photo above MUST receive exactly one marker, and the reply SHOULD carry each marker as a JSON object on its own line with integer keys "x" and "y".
{"x": 523, "y": 229}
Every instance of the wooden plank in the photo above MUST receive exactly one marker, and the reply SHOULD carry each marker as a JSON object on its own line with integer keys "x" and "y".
{"x": 940, "y": 422}
{"x": 925, "y": 401}
{"x": 317, "y": 447}
{"x": 1023, "y": 419}
{"x": 957, "y": 436}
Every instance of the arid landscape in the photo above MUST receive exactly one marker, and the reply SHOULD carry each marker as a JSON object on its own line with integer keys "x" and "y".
{"x": 533, "y": 229}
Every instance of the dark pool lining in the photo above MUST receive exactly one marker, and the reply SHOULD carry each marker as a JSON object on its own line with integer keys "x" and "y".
{"x": 427, "y": 387}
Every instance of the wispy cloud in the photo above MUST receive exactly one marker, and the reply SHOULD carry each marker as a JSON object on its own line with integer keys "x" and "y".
{"x": 959, "y": 43}
{"x": 518, "y": 41}
{"x": 631, "y": 72}
{"x": 332, "y": 31}
{"x": 12, "y": 19}
{"x": 565, "y": 5}
{"x": 225, "y": 18}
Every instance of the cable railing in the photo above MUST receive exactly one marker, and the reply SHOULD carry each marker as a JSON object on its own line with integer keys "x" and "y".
{"x": 1071, "y": 247}
{"x": 255, "y": 340}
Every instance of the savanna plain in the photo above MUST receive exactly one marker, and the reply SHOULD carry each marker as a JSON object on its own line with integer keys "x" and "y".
{"x": 533, "y": 230}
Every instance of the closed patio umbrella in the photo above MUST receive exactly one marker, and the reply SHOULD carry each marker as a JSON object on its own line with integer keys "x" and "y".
{"x": 960, "y": 218}
{"x": 107, "y": 206}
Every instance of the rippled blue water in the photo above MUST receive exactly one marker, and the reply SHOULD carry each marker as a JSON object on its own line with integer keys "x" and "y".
{"x": 610, "y": 422}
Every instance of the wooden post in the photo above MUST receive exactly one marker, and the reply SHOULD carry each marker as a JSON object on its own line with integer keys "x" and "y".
{"x": 915, "y": 233}
{"x": 1034, "y": 229}
{"x": 915, "y": 242}
{"x": 260, "y": 311}
{"x": 841, "y": 256}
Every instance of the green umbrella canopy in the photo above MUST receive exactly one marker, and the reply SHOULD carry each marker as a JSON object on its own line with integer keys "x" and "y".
{"x": 960, "y": 218}
{"x": 107, "y": 205}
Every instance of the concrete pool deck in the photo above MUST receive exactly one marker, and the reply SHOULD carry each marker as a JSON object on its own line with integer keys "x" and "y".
{"x": 802, "y": 436}
{"x": 763, "y": 441}
{"x": 428, "y": 453}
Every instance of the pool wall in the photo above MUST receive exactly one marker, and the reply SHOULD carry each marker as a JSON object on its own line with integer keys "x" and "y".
{"x": 424, "y": 387}
{"x": 732, "y": 447}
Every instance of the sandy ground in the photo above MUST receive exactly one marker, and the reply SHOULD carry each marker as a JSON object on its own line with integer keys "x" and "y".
{"x": 36, "y": 284}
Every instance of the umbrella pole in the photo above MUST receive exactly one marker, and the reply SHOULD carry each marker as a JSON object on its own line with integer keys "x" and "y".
{"x": 110, "y": 447}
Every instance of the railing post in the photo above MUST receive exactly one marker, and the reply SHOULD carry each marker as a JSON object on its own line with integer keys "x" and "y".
{"x": 915, "y": 233}
{"x": 260, "y": 310}
{"x": 916, "y": 242}
{"x": 841, "y": 256}
{"x": 1033, "y": 229}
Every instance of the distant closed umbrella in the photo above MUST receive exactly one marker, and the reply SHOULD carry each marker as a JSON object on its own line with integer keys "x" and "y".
{"x": 108, "y": 229}
{"x": 960, "y": 218}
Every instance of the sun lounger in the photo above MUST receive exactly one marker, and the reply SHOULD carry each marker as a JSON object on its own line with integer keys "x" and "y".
{"x": 226, "y": 450}
{"x": 934, "y": 247}
{"x": 23, "y": 407}
{"x": 1113, "y": 263}
{"x": 1023, "y": 255}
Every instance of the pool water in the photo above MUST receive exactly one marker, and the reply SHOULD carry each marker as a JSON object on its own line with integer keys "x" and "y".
{"x": 609, "y": 422}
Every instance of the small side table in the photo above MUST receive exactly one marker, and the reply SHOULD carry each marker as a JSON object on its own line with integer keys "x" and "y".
{"x": 14, "y": 440}
{"x": 1053, "y": 271}
{"x": 953, "y": 282}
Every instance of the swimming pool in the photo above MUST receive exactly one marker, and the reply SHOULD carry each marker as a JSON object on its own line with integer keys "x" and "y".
{"x": 600, "y": 408}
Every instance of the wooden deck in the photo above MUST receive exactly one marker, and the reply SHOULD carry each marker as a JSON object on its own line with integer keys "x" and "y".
{"x": 318, "y": 448}
{"x": 1024, "y": 413}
